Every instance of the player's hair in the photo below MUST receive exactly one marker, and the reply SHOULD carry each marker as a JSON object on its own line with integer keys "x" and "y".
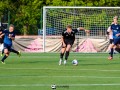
{"x": 11, "y": 25}
{"x": 115, "y": 17}
{"x": 68, "y": 26}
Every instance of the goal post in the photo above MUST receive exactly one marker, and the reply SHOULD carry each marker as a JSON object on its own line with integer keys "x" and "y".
{"x": 44, "y": 27}
{"x": 95, "y": 19}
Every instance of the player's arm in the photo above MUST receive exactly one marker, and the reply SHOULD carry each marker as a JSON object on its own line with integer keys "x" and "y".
{"x": 118, "y": 34}
{"x": 1, "y": 35}
{"x": 81, "y": 28}
{"x": 62, "y": 39}
{"x": 109, "y": 31}
{"x": 12, "y": 36}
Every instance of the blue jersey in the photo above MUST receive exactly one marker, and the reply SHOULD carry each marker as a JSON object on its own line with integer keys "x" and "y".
{"x": 8, "y": 40}
{"x": 115, "y": 30}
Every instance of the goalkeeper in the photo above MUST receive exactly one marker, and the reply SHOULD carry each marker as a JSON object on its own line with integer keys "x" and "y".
{"x": 68, "y": 38}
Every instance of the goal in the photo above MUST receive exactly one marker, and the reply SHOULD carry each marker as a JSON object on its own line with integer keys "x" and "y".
{"x": 95, "y": 19}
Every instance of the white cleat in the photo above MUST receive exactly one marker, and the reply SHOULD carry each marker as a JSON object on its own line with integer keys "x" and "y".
{"x": 60, "y": 62}
{"x": 3, "y": 62}
{"x": 65, "y": 61}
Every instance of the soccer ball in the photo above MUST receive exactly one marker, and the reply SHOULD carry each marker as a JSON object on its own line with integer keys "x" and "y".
{"x": 75, "y": 62}
{"x": 53, "y": 86}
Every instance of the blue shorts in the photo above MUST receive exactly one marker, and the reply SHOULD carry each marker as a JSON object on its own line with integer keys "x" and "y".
{"x": 7, "y": 46}
{"x": 116, "y": 41}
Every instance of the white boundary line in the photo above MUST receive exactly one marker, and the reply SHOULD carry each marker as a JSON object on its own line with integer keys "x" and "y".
{"x": 57, "y": 57}
{"x": 60, "y": 69}
{"x": 48, "y": 85}
{"x": 112, "y": 84}
{"x": 35, "y": 76}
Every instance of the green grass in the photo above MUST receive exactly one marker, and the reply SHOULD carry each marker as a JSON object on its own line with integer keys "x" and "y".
{"x": 38, "y": 71}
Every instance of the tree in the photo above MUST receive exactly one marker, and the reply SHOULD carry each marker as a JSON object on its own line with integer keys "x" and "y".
{"x": 26, "y": 14}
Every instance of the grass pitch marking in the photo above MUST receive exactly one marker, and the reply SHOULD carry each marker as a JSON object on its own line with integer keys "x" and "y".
{"x": 37, "y": 76}
{"x": 61, "y": 69}
{"x": 48, "y": 85}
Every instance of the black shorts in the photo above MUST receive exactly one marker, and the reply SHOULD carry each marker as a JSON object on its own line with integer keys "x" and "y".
{"x": 111, "y": 41}
{"x": 68, "y": 43}
{"x": 6, "y": 46}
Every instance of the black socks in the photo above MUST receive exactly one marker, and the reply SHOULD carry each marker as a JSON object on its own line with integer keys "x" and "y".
{"x": 66, "y": 55}
{"x": 61, "y": 55}
{"x": 14, "y": 51}
{"x": 111, "y": 53}
{"x": 3, "y": 59}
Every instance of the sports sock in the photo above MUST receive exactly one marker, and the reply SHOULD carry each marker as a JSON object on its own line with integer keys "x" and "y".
{"x": 66, "y": 55}
{"x": 3, "y": 59}
{"x": 111, "y": 53}
{"x": 61, "y": 55}
{"x": 14, "y": 51}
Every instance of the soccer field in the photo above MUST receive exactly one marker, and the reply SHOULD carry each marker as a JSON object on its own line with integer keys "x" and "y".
{"x": 38, "y": 71}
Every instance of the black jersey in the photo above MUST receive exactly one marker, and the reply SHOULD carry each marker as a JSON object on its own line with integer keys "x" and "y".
{"x": 1, "y": 40}
{"x": 69, "y": 37}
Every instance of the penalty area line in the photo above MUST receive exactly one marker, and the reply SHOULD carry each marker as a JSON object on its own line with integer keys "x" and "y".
{"x": 49, "y": 85}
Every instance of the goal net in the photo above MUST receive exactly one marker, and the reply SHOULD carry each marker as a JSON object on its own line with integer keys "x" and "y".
{"x": 95, "y": 19}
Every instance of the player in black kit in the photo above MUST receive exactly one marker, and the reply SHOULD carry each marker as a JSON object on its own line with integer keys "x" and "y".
{"x": 68, "y": 38}
{"x": 1, "y": 39}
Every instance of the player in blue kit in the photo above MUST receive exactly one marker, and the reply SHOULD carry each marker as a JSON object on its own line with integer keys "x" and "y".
{"x": 9, "y": 35}
{"x": 115, "y": 29}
